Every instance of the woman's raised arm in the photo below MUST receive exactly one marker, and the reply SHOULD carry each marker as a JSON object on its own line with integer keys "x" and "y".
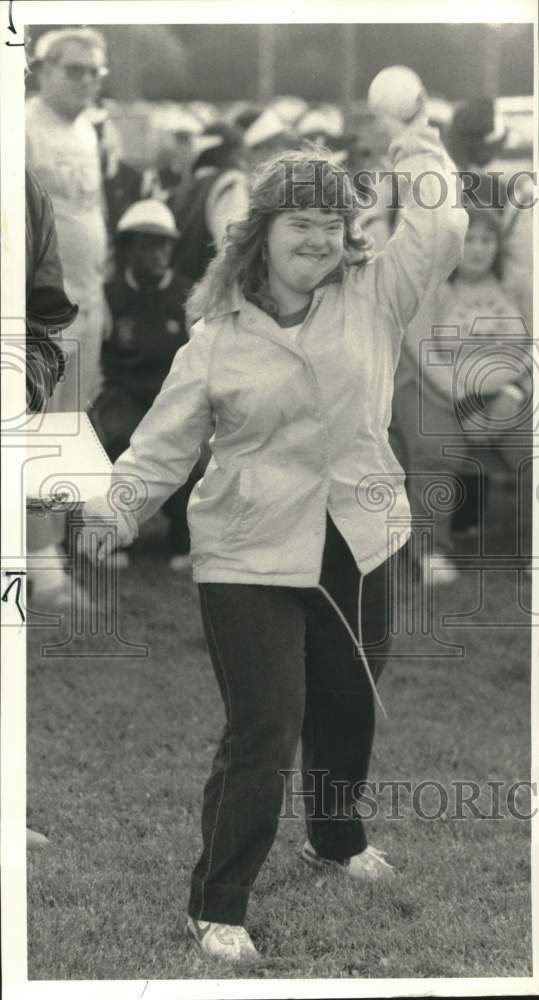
{"x": 427, "y": 244}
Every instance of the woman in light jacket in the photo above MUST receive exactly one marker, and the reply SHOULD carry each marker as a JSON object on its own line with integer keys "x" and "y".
{"x": 301, "y": 507}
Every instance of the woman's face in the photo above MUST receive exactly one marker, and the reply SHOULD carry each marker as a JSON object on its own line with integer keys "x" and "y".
{"x": 303, "y": 245}
{"x": 480, "y": 249}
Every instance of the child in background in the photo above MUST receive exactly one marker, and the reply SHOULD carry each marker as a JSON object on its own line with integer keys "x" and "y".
{"x": 445, "y": 393}
{"x": 146, "y": 300}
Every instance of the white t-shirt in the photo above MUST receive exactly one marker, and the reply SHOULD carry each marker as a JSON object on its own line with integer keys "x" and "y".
{"x": 64, "y": 156}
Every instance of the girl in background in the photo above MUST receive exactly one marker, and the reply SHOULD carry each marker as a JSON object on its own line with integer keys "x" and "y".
{"x": 462, "y": 360}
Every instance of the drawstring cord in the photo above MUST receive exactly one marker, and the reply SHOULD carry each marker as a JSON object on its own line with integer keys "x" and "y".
{"x": 357, "y": 640}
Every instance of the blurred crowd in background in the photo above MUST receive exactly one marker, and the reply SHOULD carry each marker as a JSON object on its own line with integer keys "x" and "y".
{"x": 142, "y": 193}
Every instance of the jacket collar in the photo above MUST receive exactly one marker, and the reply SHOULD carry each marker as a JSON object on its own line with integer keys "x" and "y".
{"x": 236, "y": 301}
{"x": 232, "y": 303}
{"x": 262, "y": 324}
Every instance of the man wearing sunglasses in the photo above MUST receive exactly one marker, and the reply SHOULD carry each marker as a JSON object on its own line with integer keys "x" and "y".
{"x": 62, "y": 151}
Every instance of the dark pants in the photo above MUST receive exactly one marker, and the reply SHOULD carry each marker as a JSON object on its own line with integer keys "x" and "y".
{"x": 115, "y": 414}
{"x": 287, "y": 668}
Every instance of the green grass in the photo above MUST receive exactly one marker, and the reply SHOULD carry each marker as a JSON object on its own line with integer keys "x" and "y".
{"x": 118, "y": 751}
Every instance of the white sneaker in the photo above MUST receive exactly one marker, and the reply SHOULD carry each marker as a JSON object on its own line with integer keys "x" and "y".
{"x": 368, "y": 866}
{"x": 439, "y": 568}
{"x": 179, "y": 563}
{"x": 228, "y": 941}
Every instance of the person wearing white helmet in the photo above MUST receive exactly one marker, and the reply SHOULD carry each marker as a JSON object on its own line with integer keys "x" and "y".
{"x": 145, "y": 298}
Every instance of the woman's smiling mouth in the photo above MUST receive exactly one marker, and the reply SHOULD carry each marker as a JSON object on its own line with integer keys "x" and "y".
{"x": 311, "y": 256}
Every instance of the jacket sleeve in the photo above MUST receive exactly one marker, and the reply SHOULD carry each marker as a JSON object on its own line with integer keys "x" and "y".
{"x": 166, "y": 444}
{"x": 48, "y": 308}
{"x": 427, "y": 244}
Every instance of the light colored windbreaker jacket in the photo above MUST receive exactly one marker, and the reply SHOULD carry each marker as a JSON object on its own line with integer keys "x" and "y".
{"x": 299, "y": 427}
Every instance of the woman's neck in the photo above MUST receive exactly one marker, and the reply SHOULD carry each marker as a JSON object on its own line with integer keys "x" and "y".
{"x": 291, "y": 303}
{"x": 287, "y": 300}
{"x": 293, "y": 319}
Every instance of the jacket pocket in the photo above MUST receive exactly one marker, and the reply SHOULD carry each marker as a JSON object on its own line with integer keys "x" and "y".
{"x": 242, "y": 504}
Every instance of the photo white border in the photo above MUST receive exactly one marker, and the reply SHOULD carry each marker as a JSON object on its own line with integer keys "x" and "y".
{"x": 13, "y": 721}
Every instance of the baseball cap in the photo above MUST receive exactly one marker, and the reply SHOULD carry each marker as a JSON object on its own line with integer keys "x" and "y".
{"x": 267, "y": 126}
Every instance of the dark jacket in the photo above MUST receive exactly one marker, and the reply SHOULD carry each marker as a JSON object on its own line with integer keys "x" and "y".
{"x": 195, "y": 248}
{"x": 48, "y": 309}
{"x": 148, "y": 329}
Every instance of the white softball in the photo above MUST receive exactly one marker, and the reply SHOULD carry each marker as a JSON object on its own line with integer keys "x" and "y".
{"x": 396, "y": 91}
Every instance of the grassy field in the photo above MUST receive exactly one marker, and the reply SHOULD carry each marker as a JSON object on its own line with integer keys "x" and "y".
{"x": 118, "y": 750}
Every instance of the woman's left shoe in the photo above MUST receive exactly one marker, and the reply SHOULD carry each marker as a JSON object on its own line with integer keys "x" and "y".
{"x": 227, "y": 941}
{"x": 368, "y": 866}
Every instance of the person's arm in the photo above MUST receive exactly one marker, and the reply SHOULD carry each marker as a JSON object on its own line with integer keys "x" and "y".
{"x": 48, "y": 309}
{"x": 228, "y": 201}
{"x": 165, "y": 446}
{"x": 427, "y": 244}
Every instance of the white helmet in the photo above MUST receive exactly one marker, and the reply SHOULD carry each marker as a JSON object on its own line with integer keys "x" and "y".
{"x": 148, "y": 216}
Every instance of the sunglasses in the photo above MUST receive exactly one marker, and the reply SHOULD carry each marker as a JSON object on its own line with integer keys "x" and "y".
{"x": 77, "y": 71}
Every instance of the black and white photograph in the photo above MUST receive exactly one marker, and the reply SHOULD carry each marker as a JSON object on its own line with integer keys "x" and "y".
{"x": 269, "y": 717}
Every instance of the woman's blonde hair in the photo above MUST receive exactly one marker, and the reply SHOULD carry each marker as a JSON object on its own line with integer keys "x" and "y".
{"x": 305, "y": 178}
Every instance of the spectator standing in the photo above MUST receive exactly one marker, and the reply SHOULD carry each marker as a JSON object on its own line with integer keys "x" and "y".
{"x": 174, "y": 155}
{"x": 457, "y": 365}
{"x": 267, "y": 136}
{"x": 218, "y": 194}
{"x": 474, "y": 138}
{"x": 122, "y": 183}
{"x": 48, "y": 311}
{"x": 145, "y": 299}
{"x": 62, "y": 150}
